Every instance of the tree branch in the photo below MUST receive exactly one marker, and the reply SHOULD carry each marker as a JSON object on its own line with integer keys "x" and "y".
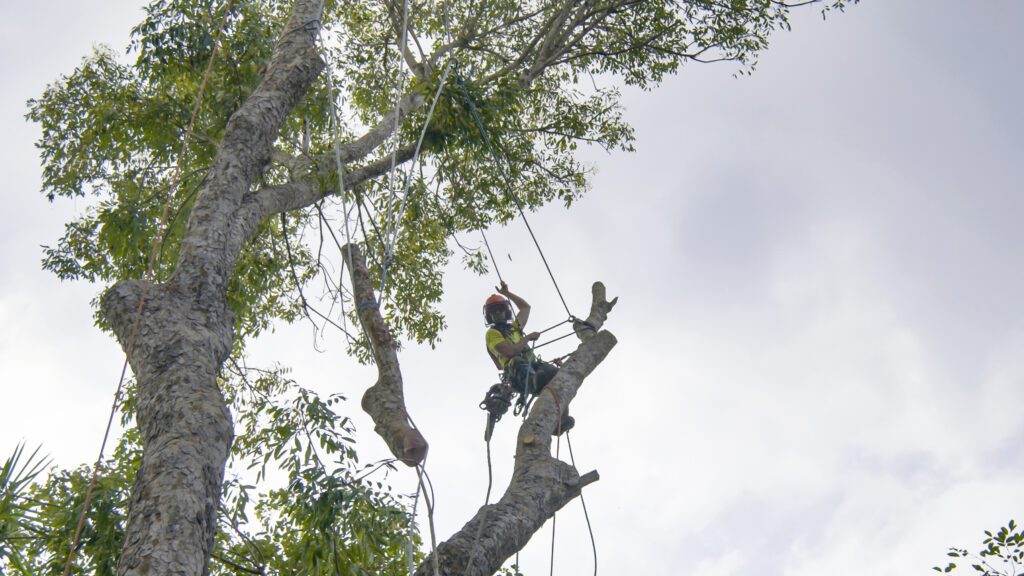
{"x": 308, "y": 190}
{"x": 236, "y": 567}
{"x": 541, "y": 484}
{"x": 395, "y": 15}
{"x": 385, "y": 400}
{"x": 374, "y": 137}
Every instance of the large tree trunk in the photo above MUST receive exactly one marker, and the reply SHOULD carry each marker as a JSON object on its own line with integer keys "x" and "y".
{"x": 186, "y": 329}
{"x": 185, "y": 427}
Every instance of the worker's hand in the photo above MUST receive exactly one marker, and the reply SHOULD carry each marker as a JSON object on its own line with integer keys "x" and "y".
{"x": 532, "y": 336}
{"x": 503, "y": 289}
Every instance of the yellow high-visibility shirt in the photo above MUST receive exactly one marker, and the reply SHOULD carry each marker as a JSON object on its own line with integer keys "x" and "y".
{"x": 495, "y": 337}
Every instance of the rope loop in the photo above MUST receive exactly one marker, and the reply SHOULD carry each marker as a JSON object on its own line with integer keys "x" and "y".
{"x": 582, "y": 324}
{"x": 312, "y": 27}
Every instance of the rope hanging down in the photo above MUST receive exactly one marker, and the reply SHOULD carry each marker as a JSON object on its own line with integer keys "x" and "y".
{"x": 586, "y": 516}
{"x": 392, "y": 236}
{"x": 508, "y": 184}
{"x": 339, "y": 165}
{"x": 398, "y": 119}
{"x": 150, "y": 268}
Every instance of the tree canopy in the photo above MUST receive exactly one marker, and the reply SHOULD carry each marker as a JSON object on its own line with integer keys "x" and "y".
{"x": 258, "y": 215}
{"x": 545, "y": 77}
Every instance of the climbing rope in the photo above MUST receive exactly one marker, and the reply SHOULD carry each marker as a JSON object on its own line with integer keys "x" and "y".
{"x": 150, "y": 268}
{"x": 483, "y": 517}
{"x": 558, "y": 453}
{"x": 586, "y": 516}
{"x": 508, "y": 185}
{"x": 421, "y": 473}
{"x": 491, "y": 254}
{"x": 392, "y": 240}
{"x": 553, "y": 340}
{"x": 398, "y": 113}
{"x": 339, "y": 165}
{"x": 410, "y": 559}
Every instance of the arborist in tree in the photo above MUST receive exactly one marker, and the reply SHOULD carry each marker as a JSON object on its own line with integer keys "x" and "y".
{"x": 510, "y": 349}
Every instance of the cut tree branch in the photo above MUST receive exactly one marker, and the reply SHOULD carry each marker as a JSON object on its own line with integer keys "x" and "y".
{"x": 385, "y": 400}
{"x": 599, "y": 309}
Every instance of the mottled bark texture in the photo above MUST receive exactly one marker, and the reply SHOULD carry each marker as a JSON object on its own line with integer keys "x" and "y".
{"x": 186, "y": 330}
{"x": 185, "y": 427}
{"x": 541, "y": 484}
{"x": 385, "y": 400}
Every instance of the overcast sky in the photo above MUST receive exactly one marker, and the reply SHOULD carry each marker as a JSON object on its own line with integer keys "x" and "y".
{"x": 820, "y": 365}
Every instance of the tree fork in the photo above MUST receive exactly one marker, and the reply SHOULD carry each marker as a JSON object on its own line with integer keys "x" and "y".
{"x": 385, "y": 400}
{"x": 186, "y": 331}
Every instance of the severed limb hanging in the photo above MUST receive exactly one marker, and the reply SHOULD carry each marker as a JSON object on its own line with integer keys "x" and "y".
{"x": 385, "y": 400}
{"x": 541, "y": 484}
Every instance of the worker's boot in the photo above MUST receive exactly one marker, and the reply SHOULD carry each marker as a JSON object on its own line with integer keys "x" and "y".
{"x": 565, "y": 425}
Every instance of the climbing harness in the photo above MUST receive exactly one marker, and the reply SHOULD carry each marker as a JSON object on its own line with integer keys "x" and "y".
{"x": 500, "y": 396}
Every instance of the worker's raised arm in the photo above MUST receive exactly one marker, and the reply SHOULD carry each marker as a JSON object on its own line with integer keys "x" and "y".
{"x": 522, "y": 305}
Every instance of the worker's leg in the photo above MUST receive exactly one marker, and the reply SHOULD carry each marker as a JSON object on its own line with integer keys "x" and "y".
{"x": 517, "y": 372}
{"x": 545, "y": 372}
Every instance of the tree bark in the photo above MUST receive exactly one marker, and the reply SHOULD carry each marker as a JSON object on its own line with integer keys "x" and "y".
{"x": 185, "y": 427}
{"x": 186, "y": 330}
{"x": 541, "y": 484}
{"x": 385, "y": 400}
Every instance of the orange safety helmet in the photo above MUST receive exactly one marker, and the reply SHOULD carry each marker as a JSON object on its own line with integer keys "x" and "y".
{"x": 492, "y": 304}
{"x": 495, "y": 299}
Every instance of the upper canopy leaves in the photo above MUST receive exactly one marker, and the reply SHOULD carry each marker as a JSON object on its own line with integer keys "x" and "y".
{"x": 540, "y": 74}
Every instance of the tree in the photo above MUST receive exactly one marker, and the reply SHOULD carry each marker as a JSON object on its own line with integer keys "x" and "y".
{"x": 1003, "y": 554}
{"x": 533, "y": 80}
{"x": 305, "y": 506}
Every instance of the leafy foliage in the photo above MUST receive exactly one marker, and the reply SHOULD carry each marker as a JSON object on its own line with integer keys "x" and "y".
{"x": 1003, "y": 554}
{"x": 296, "y": 500}
{"x": 17, "y": 516}
{"x": 541, "y": 74}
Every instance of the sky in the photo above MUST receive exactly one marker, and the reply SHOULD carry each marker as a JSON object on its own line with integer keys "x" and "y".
{"x": 821, "y": 330}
